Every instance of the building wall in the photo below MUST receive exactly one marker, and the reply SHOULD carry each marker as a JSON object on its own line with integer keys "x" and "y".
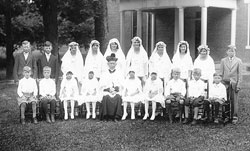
{"x": 164, "y": 28}
{"x": 218, "y": 32}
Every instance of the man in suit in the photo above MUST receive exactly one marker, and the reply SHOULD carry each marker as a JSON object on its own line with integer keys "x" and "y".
{"x": 25, "y": 58}
{"x": 48, "y": 59}
{"x": 231, "y": 70}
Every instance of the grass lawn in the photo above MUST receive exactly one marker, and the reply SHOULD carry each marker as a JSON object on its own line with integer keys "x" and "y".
{"x": 82, "y": 134}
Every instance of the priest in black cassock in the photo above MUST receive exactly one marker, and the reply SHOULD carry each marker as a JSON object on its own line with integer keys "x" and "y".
{"x": 111, "y": 83}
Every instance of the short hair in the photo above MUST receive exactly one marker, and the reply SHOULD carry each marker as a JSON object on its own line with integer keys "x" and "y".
{"x": 27, "y": 68}
{"x": 46, "y": 68}
{"x": 91, "y": 72}
{"x": 69, "y": 72}
{"x": 217, "y": 74}
{"x": 232, "y": 47}
{"x": 25, "y": 42}
{"x": 196, "y": 71}
{"x": 153, "y": 73}
{"x": 47, "y": 43}
{"x": 176, "y": 70}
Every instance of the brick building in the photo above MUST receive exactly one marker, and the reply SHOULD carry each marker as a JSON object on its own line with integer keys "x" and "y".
{"x": 216, "y": 23}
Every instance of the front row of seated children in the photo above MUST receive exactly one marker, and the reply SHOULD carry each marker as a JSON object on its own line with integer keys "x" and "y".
{"x": 27, "y": 93}
{"x": 175, "y": 91}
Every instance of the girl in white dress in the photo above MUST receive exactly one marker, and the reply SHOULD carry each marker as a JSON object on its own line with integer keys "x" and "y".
{"x": 137, "y": 58}
{"x": 115, "y": 47}
{"x": 90, "y": 94}
{"x": 153, "y": 92}
{"x": 73, "y": 61}
{"x": 160, "y": 62}
{"x": 94, "y": 60}
{"x": 206, "y": 63}
{"x": 183, "y": 60}
{"x": 69, "y": 92}
{"x": 132, "y": 93}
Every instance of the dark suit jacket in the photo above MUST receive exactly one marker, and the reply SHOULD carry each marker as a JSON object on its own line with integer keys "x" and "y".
{"x": 52, "y": 63}
{"x": 232, "y": 72}
{"x": 20, "y": 62}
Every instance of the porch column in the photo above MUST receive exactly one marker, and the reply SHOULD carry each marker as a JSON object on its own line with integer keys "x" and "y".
{"x": 204, "y": 25}
{"x": 152, "y": 39}
{"x": 139, "y": 23}
{"x": 122, "y": 29}
{"x": 233, "y": 26}
{"x": 181, "y": 24}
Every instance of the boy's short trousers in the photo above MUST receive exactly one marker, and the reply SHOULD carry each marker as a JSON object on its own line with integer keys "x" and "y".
{"x": 25, "y": 99}
{"x": 174, "y": 99}
{"x": 195, "y": 102}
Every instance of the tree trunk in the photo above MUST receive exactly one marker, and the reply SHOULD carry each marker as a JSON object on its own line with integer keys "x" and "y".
{"x": 49, "y": 12}
{"x": 9, "y": 42}
{"x": 101, "y": 23}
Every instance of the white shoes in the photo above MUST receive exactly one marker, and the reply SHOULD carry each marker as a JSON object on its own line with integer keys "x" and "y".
{"x": 124, "y": 116}
{"x": 152, "y": 117}
{"x": 145, "y": 116}
{"x": 66, "y": 117}
{"x": 132, "y": 116}
{"x": 93, "y": 115}
{"x": 88, "y": 115}
{"x": 72, "y": 116}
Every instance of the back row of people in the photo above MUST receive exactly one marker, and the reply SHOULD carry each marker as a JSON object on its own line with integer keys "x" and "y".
{"x": 159, "y": 62}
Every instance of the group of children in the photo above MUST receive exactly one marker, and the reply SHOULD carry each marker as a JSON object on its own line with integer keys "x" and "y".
{"x": 187, "y": 93}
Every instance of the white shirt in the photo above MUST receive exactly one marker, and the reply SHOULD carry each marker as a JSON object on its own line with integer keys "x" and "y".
{"x": 26, "y": 54}
{"x": 175, "y": 86}
{"x": 196, "y": 88}
{"x": 47, "y": 87}
{"x": 27, "y": 86}
{"x": 47, "y": 56}
{"x": 218, "y": 91}
{"x": 139, "y": 62}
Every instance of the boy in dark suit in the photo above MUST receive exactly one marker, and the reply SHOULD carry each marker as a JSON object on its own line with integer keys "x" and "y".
{"x": 231, "y": 71}
{"x": 48, "y": 59}
{"x": 25, "y": 58}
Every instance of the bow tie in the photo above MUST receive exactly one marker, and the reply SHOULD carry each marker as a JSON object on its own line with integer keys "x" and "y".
{"x": 110, "y": 71}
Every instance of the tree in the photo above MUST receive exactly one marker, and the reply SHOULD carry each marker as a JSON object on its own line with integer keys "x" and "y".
{"x": 101, "y": 23}
{"x": 49, "y": 12}
{"x": 9, "y": 44}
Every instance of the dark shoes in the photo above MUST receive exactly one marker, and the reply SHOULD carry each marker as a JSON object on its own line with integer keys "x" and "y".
{"x": 185, "y": 121}
{"x": 194, "y": 122}
{"x": 235, "y": 120}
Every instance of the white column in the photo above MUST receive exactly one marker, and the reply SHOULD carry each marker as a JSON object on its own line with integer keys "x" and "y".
{"x": 248, "y": 26}
{"x": 181, "y": 24}
{"x": 122, "y": 29}
{"x": 204, "y": 25}
{"x": 147, "y": 31}
{"x": 139, "y": 23}
{"x": 233, "y": 27}
{"x": 152, "y": 40}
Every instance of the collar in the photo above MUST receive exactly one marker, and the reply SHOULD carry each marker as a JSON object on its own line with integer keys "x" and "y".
{"x": 111, "y": 71}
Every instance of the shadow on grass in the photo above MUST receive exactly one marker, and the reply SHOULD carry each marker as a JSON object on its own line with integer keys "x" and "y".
{"x": 82, "y": 134}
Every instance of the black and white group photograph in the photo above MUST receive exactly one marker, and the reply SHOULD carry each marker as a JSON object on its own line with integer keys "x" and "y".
{"x": 129, "y": 75}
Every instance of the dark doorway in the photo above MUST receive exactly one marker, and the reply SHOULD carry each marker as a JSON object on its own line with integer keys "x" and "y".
{"x": 197, "y": 32}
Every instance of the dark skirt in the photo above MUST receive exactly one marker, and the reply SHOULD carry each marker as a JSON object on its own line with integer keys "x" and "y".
{"x": 111, "y": 107}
